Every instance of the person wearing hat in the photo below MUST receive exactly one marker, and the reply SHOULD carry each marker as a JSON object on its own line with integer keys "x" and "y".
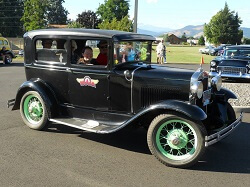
{"x": 102, "y": 58}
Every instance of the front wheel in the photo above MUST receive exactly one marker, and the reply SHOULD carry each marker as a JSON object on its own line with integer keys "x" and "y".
{"x": 175, "y": 140}
{"x": 33, "y": 110}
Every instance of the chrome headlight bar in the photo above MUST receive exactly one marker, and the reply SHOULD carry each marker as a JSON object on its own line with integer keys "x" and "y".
{"x": 216, "y": 82}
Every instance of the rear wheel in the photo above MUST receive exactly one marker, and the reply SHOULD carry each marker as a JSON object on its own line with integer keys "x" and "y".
{"x": 176, "y": 140}
{"x": 33, "y": 110}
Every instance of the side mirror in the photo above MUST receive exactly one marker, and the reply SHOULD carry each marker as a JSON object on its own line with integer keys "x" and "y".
{"x": 128, "y": 75}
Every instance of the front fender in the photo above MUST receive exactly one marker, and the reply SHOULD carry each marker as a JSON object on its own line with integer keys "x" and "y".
{"x": 225, "y": 94}
{"x": 41, "y": 88}
{"x": 187, "y": 109}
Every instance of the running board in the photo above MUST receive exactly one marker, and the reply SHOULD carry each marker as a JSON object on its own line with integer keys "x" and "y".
{"x": 88, "y": 125}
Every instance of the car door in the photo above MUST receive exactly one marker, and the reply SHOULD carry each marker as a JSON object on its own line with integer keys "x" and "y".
{"x": 88, "y": 87}
{"x": 88, "y": 84}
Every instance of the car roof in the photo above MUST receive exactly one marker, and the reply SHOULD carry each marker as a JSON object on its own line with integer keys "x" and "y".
{"x": 238, "y": 47}
{"x": 116, "y": 35}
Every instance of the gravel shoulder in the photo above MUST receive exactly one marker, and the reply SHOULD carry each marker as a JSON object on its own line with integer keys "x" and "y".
{"x": 242, "y": 91}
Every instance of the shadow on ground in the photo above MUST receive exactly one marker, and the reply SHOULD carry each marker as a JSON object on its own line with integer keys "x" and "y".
{"x": 231, "y": 155}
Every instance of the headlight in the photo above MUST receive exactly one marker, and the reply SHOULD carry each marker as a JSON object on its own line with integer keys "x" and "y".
{"x": 216, "y": 82}
{"x": 197, "y": 89}
{"x": 213, "y": 63}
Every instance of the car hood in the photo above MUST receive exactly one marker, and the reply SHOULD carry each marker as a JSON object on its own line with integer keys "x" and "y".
{"x": 233, "y": 62}
{"x": 157, "y": 72}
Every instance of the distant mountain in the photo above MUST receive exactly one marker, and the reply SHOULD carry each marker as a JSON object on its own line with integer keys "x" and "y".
{"x": 190, "y": 30}
{"x": 152, "y": 30}
{"x": 197, "y": 31}
{"x": 142, "y": 31}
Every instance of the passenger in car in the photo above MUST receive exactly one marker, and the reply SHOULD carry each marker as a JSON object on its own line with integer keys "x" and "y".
{"x": 46, "y": 54}
{"x": 87, "y": 56}
{"x": 102, "y": 58}
{"x": 74, "y": 55}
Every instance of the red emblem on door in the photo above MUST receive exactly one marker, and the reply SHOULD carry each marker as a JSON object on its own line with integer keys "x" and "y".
{"x": 87, "y": 81}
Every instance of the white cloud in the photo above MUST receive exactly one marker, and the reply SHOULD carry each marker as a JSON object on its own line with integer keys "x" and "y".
{"x": 152, "y": 1}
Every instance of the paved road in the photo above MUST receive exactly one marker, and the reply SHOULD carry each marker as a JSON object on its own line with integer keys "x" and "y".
{"x": 63, "y": 156}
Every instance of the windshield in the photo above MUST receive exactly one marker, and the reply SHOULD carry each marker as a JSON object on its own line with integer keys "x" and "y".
{"x": 131, "y": 51}
{"x": 244, "y": 53}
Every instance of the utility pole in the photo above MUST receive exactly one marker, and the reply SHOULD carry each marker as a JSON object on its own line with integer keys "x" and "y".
{"x": 135, "y": 16}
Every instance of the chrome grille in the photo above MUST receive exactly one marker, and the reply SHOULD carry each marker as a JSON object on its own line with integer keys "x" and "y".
{"x": 232, "y": 70}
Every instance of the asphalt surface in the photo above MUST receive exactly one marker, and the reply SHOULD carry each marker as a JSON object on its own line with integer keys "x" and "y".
{"x": 63, "y": 156}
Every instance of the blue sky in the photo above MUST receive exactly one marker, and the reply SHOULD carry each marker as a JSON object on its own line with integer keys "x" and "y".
{"x": 168, "y": 13}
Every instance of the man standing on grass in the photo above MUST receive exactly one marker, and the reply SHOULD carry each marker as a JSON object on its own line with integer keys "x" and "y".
{"x": 161, "y": 53}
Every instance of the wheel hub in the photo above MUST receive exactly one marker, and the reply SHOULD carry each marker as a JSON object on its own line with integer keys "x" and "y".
{"x": 177, "y": 139}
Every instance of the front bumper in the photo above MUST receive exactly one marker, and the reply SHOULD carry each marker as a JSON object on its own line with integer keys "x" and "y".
{"x": 240, "y": 76}
{"x": 216, "y": 137}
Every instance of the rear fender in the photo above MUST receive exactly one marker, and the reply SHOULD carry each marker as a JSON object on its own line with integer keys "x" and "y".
{"x": 42, "y": 88}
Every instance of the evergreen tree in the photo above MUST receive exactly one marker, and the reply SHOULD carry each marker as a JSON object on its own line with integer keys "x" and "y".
{"x": 34, "y": 16}
{"x": 184, "y": 36}
{"x": 10, "y": 15}
{"x": 201, "y": 40}
{"x": 113, "y": 9}
{"x": 56, "y": 13}
{"x": 224, "y": 28}
{"x": 88, "y": 19}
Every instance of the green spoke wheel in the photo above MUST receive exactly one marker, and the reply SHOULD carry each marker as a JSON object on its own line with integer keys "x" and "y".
{"x": 33, "y": 110}
{"x": 176, "y": 140}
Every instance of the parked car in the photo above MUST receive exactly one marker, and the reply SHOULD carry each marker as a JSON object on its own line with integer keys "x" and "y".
{"x": 180, "y": 111}
{"x": 9, "y": 54}
{"x": 218, "y": 50}
{"x": 234, "y": 64}
{"x": 206, "y": 50}
{"x": 21, "y": 52}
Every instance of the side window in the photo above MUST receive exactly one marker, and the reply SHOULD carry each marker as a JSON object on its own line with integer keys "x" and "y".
{"x": 89, "y": 52}
{"x": 1, "y": 42}
{"x": 51, "y": 50}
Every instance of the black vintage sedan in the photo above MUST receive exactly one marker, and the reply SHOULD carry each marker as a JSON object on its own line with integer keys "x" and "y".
{"x": 233, "y": 64}
{"x": 101, "y": 81}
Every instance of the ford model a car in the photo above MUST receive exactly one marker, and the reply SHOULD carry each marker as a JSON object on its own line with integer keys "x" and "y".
{"x": 114, "y": 85}
{"x": 234, "y": 64}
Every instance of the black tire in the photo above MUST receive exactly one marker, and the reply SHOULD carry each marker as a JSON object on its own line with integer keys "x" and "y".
{"x": 33, "y": 110}
{"x": 176, "y": 140}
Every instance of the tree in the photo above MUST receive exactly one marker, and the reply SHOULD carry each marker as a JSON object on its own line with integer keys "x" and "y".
{"x": 34, "y": 16}
{"x": 75, "y": 24}
{"x": 113, "y": 9}
{"x": 224, "y": 28}
{"x": 125, "y": 24}
{"x": 201, "y": 40}
{"x": 88, "y": 19}
{"x": 166, "y": 38}
{"x": 10, "y": 14}
{"x": 56, "y": 13}
{"x": 184, "y": 36}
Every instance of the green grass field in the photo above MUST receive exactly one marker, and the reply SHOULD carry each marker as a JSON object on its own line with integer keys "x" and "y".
{"x": 183, "y": 54}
